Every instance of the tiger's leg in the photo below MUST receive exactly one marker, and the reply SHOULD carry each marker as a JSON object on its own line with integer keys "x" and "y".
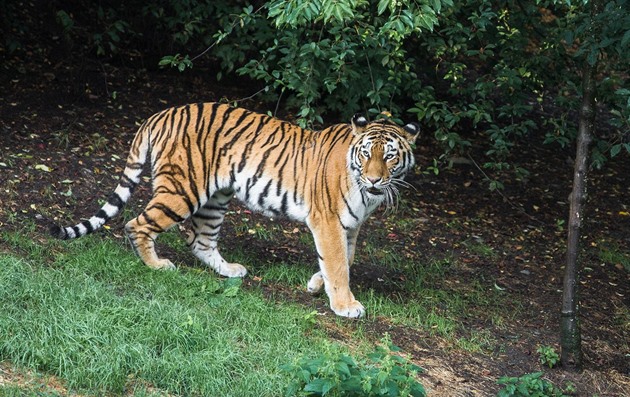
{"x": 163, "y": 211}
{"x": 331, "y": 241}
{"x": 316, "y": 283}
{"x": 206, "y": 224}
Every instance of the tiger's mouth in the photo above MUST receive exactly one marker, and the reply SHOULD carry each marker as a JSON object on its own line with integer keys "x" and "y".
{"x": 375, "y": 191}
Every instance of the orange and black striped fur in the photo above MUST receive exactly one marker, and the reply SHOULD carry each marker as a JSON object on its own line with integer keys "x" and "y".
{"x": 202, "y": 155}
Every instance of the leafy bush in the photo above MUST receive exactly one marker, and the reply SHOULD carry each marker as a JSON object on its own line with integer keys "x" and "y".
{"x": 548, "y": 356}
{"x": 505, "y": 71}
{"x": 341, "y": 56}
{"x": 463, "y": 68}
{"x": 337, "y": 374}
{"x": 529, "y": 385}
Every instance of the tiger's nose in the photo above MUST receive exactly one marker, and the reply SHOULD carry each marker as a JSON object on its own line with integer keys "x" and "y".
{"x": 374, "y": 181}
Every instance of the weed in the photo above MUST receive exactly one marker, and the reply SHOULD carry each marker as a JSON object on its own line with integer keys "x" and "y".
{"x": 62, "y": 137}
{"x": 262, "y": 232}
{"x": 621, "y": 317}
{"x": 528, "y": 385}
{"x": 571, "y": 389}
{"x": 560, "y": 225}
{"x": 12, "y": 216}
{"x": 97, "y": 142}
{"x": 548, "y": 356}
{"x": 48, "y": 191}
{"x": 310, "y": 319}
{"x": 613, "y": 254}
{"x": 477, "y": 246}
{"x": 240, "y": 227}
{"x": 333, "y": 373}
{"x": 306, "y": 239}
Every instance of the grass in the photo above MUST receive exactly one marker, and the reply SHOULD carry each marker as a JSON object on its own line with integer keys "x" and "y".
{"x": 427, "y": 301}
{"x": 614, "y": 255}
{"x": 95, "y": 317}
{"x": 88, "y": 312}
{"x": 18, "y": 391}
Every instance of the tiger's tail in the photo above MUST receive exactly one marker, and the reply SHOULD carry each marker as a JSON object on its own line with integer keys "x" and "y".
{"x": 117, "y": 200}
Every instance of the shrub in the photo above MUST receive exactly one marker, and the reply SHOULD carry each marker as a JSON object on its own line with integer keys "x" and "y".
{"x": 384, "y": 373}
{"x": 529, "y": 385}
{"x": 548, "y": 356}
{"x": 504, "y": 71}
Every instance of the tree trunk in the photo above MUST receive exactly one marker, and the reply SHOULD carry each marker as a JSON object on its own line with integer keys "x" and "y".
{"x": 570, "y": 338}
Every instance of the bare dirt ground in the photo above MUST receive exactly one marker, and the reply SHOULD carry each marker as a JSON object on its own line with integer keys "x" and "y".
{"x": 65, "y": 125}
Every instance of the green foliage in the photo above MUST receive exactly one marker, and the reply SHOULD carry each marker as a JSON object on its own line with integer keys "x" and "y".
{"x": 548, "y": 356}
{"x": 505, "y": 71}
{"x": 340, "y": 56}
{"x": 529, "y": 385}
{"x": 110, "y": 31}
{"x": 176, "y": 61}
{"x": 489, "y": 67}
{"x": 334, "y": 373}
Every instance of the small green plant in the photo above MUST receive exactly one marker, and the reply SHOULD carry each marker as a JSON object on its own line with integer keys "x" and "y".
{"x": 560, "y": 225}
{"x": 548, "y": 356}
{"x": 570, "y": 388}
{"x": 333, "y": 373}
{"x": 62, "y": 137}
{"x": 97, "y": 142}
{"x": 613, "y": 254}
{"x": 528, "y": 385}
{"x": 310, "y": 318}
{"x": 479, "y": 247}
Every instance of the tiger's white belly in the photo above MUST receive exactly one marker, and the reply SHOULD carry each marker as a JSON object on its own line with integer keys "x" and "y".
{"x": 263, "y": 195}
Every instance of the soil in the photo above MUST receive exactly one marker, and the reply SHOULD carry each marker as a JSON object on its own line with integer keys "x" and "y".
{"x": 66, "y": 123}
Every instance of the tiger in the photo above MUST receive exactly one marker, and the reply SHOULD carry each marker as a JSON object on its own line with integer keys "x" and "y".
{"x": 204, "y": 154}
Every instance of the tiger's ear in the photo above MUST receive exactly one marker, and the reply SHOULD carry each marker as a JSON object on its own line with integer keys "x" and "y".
{"x": 412, "y": 131}
{"x": 359, "y": 122}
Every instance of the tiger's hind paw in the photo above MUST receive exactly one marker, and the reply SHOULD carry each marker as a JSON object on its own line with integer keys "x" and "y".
{"x": 231, "y": 270}
{"x": 215, "y": 261}
{"x": 315, "y": 284}
{"x": 162, "y": 264}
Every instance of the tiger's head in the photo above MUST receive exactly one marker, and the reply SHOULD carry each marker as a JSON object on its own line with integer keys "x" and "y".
{"x": 380, "y": 156}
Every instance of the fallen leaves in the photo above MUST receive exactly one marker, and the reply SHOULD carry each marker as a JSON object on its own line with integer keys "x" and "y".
{"x": 43, "y": 167}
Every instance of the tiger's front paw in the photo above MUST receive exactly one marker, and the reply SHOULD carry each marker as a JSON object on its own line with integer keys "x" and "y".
{"x": 353, "y": 309}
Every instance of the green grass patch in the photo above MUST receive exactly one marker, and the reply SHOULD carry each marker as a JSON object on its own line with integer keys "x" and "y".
{"x": 18, "y": 391}
{"x": 614, "y": 255}
{"x": 89, "y": 312}
{"x": 95, "y": 317}
{"x": 478, "y": 247}
{"x": 433, "y": 296}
